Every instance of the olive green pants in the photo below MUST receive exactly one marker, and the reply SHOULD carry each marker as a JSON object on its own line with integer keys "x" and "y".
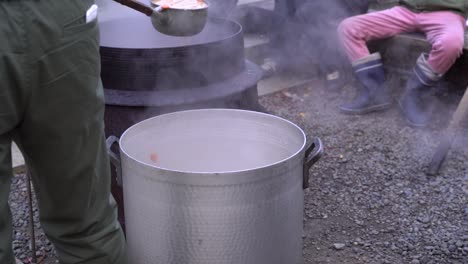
{"x": 51, "y": 104}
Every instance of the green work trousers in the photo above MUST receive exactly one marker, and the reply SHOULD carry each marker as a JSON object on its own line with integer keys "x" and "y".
{"x": 51, "y": 104}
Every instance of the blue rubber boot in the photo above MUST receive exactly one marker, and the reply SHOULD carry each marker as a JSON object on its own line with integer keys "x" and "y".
{"x": 413, "y": 103}
{"x": 372, "y": 94}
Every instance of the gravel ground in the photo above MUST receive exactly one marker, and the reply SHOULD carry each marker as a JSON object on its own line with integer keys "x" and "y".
{"x": 370, "y": 200}
{"x": 21, "y": 238}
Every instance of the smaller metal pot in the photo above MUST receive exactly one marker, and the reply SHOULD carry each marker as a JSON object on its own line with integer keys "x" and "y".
{"x": 172, "y": 21}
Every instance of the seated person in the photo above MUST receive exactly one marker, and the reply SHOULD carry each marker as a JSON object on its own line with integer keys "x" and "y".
{"x": 443, "y": 23}
{"x": 298, "y": 23}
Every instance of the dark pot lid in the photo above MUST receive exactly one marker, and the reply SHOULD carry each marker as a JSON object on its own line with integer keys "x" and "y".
{"x": 135, "y": 57}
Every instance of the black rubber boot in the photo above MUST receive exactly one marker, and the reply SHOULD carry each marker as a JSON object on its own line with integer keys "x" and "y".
{"x": 413, "y": 103}
{"x": 372, "y": 94}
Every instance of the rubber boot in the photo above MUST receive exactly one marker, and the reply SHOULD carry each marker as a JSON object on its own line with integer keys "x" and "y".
{"x": 372, "y": 94}
{"x": 413, "y": 102}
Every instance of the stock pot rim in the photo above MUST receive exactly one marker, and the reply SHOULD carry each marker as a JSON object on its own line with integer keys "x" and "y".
{"x": 274, "y": 165}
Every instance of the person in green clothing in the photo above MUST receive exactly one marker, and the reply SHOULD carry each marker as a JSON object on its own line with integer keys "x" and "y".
{"x": 52, "y": 106}
{"x": 443, "y": 23}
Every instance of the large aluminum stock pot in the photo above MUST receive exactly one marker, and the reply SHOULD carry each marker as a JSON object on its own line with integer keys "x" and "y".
{"x": 215, "y": 186}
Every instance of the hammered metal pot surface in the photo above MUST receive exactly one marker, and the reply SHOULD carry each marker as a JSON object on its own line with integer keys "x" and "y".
{"x": 213, "y": 186}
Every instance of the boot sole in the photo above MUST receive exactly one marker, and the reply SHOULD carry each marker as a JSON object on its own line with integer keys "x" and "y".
{"x": 367, "y": 110}
{"x": 409, "y": 122}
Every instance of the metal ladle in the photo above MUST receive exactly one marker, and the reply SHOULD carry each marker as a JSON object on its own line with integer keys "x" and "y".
{"x": 172, "y": 21}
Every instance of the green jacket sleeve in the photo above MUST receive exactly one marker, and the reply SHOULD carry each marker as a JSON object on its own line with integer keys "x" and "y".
{"x": 458, "y": 6}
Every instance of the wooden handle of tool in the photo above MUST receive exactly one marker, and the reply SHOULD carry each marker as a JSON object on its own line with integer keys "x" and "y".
{"x": 449, "y": 135}
{"x": 461, "y": 112}
{"x": 137, "y": 6}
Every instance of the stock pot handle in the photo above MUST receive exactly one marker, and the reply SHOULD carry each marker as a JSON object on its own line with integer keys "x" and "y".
{"x": 313, "y": 153}
{"x": 114, "y": 157}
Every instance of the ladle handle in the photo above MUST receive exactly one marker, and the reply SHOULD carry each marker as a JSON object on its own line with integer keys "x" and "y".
{"x": 137, "y": 6}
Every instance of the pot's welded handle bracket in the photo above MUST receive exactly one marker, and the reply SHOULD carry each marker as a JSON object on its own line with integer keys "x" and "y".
{"x": 114, "y": 157}
{"x": 313, "y": 153}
